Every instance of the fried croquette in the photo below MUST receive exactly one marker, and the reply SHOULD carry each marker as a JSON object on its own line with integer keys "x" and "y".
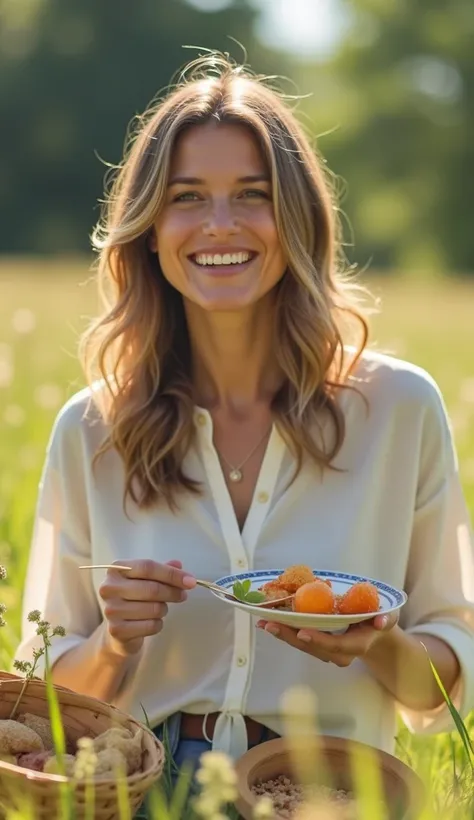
{"x": 273, "y": 590}
{"x": 295, "y": 576}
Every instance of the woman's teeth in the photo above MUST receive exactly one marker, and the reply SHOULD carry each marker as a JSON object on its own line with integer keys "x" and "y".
{"x": 222, "y": 259}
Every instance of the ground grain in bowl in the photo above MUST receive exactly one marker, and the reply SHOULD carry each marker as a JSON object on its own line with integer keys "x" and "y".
{"x": 287, "y": 797}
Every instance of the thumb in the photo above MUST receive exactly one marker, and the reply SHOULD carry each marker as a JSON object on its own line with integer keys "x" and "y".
{"x": 383, "y": 623}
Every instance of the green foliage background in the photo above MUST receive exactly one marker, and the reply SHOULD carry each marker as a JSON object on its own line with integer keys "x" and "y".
{"x": 395, "y": 101}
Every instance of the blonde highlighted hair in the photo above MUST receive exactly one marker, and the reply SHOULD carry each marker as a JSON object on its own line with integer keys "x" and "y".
{"x": 139, "y": 347}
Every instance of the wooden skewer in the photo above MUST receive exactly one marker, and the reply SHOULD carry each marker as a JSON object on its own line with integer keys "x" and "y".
{"x": 105, "y": 566}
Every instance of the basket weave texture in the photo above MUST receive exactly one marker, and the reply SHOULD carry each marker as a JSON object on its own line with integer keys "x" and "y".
{"x": 82, "y": 716}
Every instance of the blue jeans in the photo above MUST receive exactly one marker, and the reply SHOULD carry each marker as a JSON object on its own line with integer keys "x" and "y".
{"x": 184, "y": 752}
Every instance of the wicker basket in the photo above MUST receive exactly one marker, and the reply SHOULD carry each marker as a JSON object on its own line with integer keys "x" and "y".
{"x": 82, "y": 716}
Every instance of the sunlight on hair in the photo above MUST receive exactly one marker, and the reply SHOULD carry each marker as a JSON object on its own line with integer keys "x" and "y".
{"x": 137, "y": 349}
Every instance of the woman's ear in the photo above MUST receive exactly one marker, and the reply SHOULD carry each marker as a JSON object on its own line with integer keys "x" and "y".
{"x": 152, "y": 241}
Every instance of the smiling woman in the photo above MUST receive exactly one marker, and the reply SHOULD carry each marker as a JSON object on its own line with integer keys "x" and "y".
{"x": 216, "y": 236}
{"x": 236, "y": 421}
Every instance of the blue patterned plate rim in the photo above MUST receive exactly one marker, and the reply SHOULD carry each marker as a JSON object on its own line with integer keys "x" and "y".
{"x": 399, "y": 596}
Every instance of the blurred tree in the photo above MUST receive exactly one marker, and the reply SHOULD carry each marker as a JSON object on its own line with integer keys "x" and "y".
{"x": 72, "y": 75}
{"x": 398, "y": 102}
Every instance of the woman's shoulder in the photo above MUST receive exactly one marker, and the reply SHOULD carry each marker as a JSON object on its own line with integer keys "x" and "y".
{"x": 395, "y": 383}
{"x": 80, "y": 417}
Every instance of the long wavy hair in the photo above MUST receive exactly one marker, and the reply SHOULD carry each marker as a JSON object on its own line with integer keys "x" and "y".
{"x": 139, "y": 348}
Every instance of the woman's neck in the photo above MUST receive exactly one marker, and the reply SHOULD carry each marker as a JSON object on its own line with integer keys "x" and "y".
{"x": 234, "y": 366}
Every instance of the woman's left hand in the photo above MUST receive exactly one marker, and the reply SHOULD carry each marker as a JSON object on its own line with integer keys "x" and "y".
{"x": 341, "y": 650}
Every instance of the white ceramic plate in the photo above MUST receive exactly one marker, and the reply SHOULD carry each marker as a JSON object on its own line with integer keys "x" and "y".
{"x": 391, "y": 599}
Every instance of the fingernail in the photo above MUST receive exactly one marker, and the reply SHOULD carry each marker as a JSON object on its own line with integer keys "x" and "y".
{"x": 272, "y": 629}
{"x": 260, "y": 624}
{"x": 184, "y": 596}
{"x": 189, "y": 581}
{"x": 384, "y": 622}
{"x": 302, "y": 636}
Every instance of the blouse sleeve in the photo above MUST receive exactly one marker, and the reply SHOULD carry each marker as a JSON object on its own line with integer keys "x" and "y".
{"x": 61, "y": 543}
{"x": 440, "y": 576}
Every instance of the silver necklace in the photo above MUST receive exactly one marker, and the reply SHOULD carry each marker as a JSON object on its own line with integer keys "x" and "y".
{"x": 235, "y": 475}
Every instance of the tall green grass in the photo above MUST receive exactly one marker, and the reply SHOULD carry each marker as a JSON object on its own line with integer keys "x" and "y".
{"x": 43, "y": 308}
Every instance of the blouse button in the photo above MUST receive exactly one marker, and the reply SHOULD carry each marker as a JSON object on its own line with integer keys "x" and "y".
{"x": 241, "y": 660}
{"x": 262, "y": 497}
{"x": 201, "y": 419}
{"x": 241, "y": 562}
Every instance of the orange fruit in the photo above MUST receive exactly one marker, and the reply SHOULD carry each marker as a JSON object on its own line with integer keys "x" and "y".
{"x": 324, "y": 580}
{"x": 360, "y": 598}
{"x": 315, "y": 598}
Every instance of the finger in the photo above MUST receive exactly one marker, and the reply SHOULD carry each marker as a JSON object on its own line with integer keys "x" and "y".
{"x": 289, "y": 636}
{"x": 152, "y": 591}
{"x": 383, "y": 623}
{"x": 118, "y": 609}
{"x": 136, "y": 590}
{"x": 124, "y": 631}
{"x": 177, "y": 564}
{"x": 354, "y": 642}
{"x": 148, "y": 570}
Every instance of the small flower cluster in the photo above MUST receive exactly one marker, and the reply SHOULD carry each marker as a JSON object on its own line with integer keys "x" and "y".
{"x": 3, "y": 609}
{"x": 86, "y": 759}
{"x": 218, "y": 781}
{"x": 44, "y": 630}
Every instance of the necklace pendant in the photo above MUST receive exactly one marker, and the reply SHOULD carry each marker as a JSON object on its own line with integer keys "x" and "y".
{"x": 235, "y": 476}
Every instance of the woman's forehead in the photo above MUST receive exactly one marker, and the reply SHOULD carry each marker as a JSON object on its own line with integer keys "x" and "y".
{"x": 204, "y": 151}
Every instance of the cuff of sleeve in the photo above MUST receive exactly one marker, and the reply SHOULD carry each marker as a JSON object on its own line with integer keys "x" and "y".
{"x": 434, "y": 721}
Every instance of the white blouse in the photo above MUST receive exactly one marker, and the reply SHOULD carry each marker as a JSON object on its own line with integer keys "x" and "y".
{"x": 395, "y": 512}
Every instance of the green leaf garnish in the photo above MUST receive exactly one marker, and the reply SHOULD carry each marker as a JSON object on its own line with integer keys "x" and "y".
{"x": 243, "y": 591}
{"x": 238, "y": 590}
{"x": 255, "y": 597}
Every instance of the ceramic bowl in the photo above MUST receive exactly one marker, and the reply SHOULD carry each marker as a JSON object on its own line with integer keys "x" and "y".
{"x": 404, "y": 793}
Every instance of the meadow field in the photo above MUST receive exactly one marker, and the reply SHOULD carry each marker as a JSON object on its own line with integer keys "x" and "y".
{"x": 44, "y": 306}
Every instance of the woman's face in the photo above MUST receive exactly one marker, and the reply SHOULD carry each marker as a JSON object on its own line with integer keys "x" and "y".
{"x": 216, "y": 236}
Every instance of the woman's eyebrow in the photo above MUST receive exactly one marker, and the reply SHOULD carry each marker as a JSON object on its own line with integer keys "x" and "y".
{"x": 197, "y": 181}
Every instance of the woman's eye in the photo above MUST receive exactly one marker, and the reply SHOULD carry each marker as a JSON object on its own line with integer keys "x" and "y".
{"x": 188, "y": 196}
{"x": 255, "y": 192}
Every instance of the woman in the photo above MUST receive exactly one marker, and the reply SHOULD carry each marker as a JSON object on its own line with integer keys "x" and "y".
{"x": 235, "y": 419}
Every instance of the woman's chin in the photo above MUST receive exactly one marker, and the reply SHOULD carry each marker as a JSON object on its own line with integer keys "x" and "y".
{"x": 223, "y": 303}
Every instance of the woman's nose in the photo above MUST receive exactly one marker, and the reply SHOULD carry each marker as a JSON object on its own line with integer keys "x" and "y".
{"x": 220, "y": 219}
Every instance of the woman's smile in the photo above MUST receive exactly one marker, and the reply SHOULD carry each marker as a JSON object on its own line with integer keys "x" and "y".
{"x": 216, "y": 237}
{"x": 224, "y": 261}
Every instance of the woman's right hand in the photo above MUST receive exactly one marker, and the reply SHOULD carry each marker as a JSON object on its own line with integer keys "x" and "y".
{"x": 136, "y": 601}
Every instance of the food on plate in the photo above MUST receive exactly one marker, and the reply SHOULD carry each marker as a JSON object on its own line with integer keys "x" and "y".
{"x": 310, "y": 594}
{"x": 295, "y": 576}
{"x": 361, "y": 597}
{"x": 315, "y": 596}
{"x": 272, "y": 590}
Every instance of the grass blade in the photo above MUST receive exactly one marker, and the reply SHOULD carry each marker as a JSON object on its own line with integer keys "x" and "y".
{"x": 458, "y": 721}
{"x": 59, "y": 738}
